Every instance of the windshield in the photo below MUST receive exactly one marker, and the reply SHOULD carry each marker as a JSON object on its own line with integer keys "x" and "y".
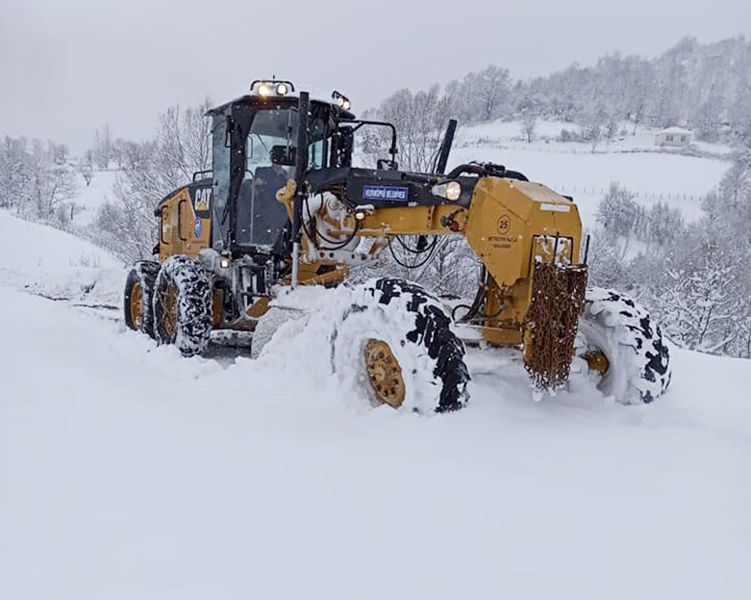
{"x": 270, "y": 129}
{"x": 270, "y": 159}
{"x": 269, "y": 163}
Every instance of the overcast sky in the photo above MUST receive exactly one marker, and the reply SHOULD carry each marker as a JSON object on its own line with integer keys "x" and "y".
{"x": 70, "y": 66}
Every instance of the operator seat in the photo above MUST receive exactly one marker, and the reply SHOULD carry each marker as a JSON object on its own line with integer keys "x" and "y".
{"x": 261, "y": 217}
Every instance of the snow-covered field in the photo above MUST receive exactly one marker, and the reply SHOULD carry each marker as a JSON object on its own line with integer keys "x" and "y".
{"x": 127, "y": 471}
{"x": 633, "y": 162}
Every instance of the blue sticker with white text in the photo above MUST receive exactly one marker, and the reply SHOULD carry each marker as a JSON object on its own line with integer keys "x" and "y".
{"x": 382, "y": 192}
{"x": 198, "y": 228}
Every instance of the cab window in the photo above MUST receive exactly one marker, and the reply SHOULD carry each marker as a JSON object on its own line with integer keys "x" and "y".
{"x": 220, "y": 166}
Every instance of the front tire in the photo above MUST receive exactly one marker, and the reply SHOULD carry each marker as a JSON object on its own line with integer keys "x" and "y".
{"x": 636, "y": 366}
{"x": 137, "y": 301}
{"x": 182, "y": 305}
{"x": 394, "y": 343}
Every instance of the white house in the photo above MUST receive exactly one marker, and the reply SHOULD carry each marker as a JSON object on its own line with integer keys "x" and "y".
{"x": 673, "y": 136}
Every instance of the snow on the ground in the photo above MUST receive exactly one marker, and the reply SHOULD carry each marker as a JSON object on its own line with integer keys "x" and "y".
{"x": 127, "y": 471}
{"x": 56, "y": 264}
{"x": 654, "y": 175}
{"x": 547, "y": 134}
{"x": 90, "y": 197}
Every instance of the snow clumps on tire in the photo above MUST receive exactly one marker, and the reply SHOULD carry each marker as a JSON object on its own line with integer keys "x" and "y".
{"x": 182, "y": 305}
{"x": 419, "y": 334}
{"x": 639, "y": 360}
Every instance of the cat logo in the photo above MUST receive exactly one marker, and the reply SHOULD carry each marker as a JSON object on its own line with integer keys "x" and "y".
{"x": 202, "y": 199}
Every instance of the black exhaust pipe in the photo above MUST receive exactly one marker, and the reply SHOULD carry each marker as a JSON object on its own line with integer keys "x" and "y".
{"x": 443, "y": 154}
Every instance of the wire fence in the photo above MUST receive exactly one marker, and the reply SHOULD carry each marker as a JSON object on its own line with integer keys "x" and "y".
{"x": 602, "y": 147}
{"x": 535, "y": 147}
{"x": 644, "y": 195}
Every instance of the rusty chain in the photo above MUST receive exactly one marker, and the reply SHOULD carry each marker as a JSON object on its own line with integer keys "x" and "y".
{"x": 551, "y": 322}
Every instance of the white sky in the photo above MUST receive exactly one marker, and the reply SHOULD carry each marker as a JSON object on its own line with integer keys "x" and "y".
{"x": 70, "y": 66}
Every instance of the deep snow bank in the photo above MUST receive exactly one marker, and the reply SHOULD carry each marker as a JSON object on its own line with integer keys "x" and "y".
{"x": 56, "y": 264}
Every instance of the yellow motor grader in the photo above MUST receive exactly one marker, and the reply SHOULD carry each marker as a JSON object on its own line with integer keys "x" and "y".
{"x": 283, "y": 208}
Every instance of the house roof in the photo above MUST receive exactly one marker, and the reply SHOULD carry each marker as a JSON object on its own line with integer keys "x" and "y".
{"x": 675, "y": 130}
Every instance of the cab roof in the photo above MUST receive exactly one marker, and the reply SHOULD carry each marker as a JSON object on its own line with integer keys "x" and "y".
{"x": 316, "y": 95}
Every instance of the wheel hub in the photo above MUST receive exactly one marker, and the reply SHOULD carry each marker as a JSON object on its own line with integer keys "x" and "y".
{"x": 597, "y": 361}
{"x": 168, "y": 298}
{"x": 136, "y": 306}
{"x": 384, "y": 373}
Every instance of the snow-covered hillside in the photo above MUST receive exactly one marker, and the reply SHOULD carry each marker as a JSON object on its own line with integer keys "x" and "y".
{"x": 55, "y": 264}
{"x": 127, "y": 471}
{"x": 90, "y": 197}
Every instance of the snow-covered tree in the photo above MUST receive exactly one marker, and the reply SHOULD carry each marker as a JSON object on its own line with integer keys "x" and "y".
{"x": 420, "y": 120}
{"x": 180, "y": 148}
{"x": 86, "y": 172}
{"x": 663, "y": 224}
{"x": 102, "y": 149}
{"x": 699, "y": 284}
{"x": 480, "y": 96}
{"x": 618, "y": 213}
{"x": 15, "y": 172}
{"x": 34, "y": 177}
{"x": 699, "y": 298}
{"x": 529, "y": 127}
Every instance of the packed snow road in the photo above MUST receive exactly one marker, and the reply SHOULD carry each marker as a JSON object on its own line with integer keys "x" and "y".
{"x": 127, "y": 471}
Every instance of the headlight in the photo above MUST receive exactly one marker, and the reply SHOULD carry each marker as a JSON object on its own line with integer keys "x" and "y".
{"x": 264, "y": 90}
{"x": 451, "y": 190}
{"x": 282, "y": 89}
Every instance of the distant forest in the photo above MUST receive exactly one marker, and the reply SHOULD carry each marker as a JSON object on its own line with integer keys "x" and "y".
{"x": 702, "y": 87}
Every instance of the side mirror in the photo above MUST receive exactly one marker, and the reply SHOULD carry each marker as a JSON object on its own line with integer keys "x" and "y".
{"x": 283, "y": 155}
{"x": 387, "y": 164}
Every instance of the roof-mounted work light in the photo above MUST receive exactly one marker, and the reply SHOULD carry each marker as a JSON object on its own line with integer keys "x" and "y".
{"x": 271, "y": 87}
{"x": 341, "y": 100}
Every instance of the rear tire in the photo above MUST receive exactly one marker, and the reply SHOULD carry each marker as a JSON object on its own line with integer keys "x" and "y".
{"x": 638, "y": 361}
{"x": 395, "y": 344}
{"x": 137, "y": 301}
{"x": 182, "y": 305}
